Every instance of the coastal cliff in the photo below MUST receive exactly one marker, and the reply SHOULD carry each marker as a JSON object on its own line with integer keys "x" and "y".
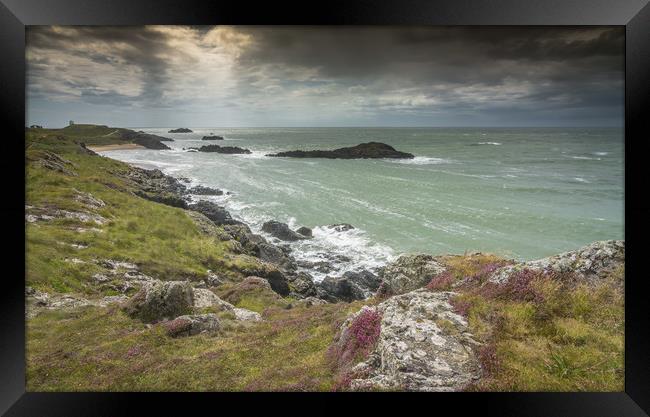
{"x": 135, "y": 283}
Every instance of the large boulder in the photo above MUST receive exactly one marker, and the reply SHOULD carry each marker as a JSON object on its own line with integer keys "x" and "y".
{"x": 190, "y": 325}
{"x": 301, "y": 285}
{"x": 422, "y": 346}
{"x": 205, "y": 298}
{"x": 365, "y": 279}
{"x": 160, "y": 300}
{"x": 361, "y": 151}
{"x": 272, "y": 254}
{"x": 305, "y": 231}
{"x": 278, "y": 281}
{"x": 335, "y": 289}
{"x": 410, "y": 272}
{"x": 589, "y": 263}
{"x": 281, "y": 231}
{"x": 357, "y": 285}
{"x": 214, "y": 212}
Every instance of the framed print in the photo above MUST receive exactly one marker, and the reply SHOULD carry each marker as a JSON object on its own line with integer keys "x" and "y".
{"x": 354, "y": 200}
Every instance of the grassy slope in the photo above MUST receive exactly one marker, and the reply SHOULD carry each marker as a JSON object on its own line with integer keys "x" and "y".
{"x": 567, "y": 339}
{"x": 103, "y": 349}
{"x": 543, "y": 334}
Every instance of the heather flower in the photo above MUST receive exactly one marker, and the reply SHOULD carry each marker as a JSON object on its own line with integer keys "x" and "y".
{"x": 441, "y": 282}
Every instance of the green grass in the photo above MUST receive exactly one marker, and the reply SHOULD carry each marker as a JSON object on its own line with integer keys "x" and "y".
{"x": 94, "y": 349}
{"x": 163, "y": 241}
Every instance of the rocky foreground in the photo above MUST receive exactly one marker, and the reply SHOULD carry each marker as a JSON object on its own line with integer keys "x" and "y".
{"x": 370, "y": 150}
{"x": 134, "y": 282}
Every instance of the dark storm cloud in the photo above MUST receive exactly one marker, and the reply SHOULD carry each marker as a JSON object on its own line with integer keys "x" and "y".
{"x": 356, "y": 74}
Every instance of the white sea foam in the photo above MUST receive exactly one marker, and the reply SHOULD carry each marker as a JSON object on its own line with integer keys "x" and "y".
{"x": 579, "y": 179}
{"x": 489, "y": 143}
{"x": 421, "y": 160}
{"x": 586, "y": 158}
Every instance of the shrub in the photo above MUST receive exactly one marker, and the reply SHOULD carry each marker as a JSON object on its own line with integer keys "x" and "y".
{"x": 460, "y": 306}
{"x": 441, "y": 282}
{"x": 354, "y": 344}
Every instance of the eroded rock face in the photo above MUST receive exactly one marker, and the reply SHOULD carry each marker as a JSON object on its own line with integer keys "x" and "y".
{"x": 410, "y": 272}
{"x": 281, "y": 231}
{"x": 190, "y": 325}
{"x": 54, "y": 162}
{"x": 423, "y": 346}
{"x": 589, "y": 263}
{"x": 214, "y": 212}
{"x": 158, "y": 300}
{"x": 201, "y": 190}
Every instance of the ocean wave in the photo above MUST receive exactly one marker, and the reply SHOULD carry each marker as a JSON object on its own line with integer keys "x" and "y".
{"x": 588, "y": 158}
{"x": 346, "y": 251}
{"x": 489, "y": 143}
{"x": 582, "y": 180}
{"x": 421, "y": 160}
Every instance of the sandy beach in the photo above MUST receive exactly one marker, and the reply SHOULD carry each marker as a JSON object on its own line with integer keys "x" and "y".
{"x": 115, "y": 147}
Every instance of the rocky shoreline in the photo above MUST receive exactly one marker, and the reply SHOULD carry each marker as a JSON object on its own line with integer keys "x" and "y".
{"x": 412, "y": 331}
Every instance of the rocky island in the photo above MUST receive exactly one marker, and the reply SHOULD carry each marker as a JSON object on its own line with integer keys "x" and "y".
{"x": 180, "y": 130}
{"x": 134, "y": 284}
{"x": 222, "y": 149}
{"x": 212, "y": 137}
{"x": 361, "y": 151}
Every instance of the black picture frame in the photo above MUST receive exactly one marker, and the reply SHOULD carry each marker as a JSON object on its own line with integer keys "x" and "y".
{"x": 633, "y": 14}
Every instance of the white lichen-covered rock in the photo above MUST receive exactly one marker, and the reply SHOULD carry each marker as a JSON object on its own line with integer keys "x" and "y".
{"x": 159, "y": 300}
{"x": 88, "y": 200}
{"x": 423, "y": 346}
{"x": 190, "y": 325}
{"x": 205, "y": 298}
{"x": 38, "y": 301}
{"x": 246, "y": 315}
{"x": 36, "y": 214}
{"x": 410, "y": 272}
{"x": 589, "y": 262}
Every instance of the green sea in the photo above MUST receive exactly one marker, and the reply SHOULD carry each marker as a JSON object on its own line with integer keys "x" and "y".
{"x": 521, "y": 192}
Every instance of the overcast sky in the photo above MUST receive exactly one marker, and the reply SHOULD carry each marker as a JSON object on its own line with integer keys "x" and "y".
{"x": 325, "y": 76}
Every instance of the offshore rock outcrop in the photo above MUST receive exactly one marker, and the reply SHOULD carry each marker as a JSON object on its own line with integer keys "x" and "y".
{"x": 222, "y": 149}
{"x": 422, "y": 346}
{"x": 212, "y": 137}
{"x": 180, "y": 130}
{"x": 281, "y": 231}
{"x": 362, "y": 151}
